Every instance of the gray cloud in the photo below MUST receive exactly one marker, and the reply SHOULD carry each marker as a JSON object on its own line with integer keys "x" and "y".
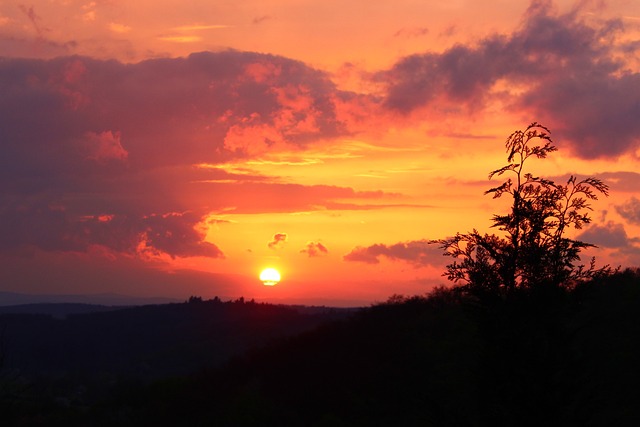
{"x": 613, "y": 236}
{"x": 574, "y": 83}
{"x": 609, "y": 235}
{"x": 628, "y": 182}
{"x": 630, "y": 210}
{"x": 417, "y": 252}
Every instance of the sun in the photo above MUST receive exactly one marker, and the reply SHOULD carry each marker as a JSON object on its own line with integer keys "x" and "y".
{"x": 270, "y": 276}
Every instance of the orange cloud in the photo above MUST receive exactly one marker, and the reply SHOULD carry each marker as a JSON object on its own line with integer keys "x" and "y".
{"x": 119, "y": 28}
{"x": 181, "y": 39}
{"x": 278, "y": 241}
{"x": 315, "y": 249}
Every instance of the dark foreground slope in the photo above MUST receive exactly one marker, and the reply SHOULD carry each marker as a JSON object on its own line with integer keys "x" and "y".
{"x": 49, "y": 364}
{"x": 145, "y": 342}
{"x": 568, "y": 359}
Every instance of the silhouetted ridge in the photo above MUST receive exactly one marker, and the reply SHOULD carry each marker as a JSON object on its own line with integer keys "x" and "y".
{"x": 445, "y": 359}
{"x": 567, "y": 358}
{"x": 100, "y": 350}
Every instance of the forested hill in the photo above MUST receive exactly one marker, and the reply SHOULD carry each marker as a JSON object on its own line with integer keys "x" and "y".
{"x": 567, "y": 358}
{"x": 144, "y": 342}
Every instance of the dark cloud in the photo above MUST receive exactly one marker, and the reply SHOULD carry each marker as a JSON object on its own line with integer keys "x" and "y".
{"x": 609, "y": 235}
{"x": 52, "y": 227}
{"x": 597, "y": 114}
{"x": 315, "y": 249}
{"x": 568, "y": 67}
{"x": 176, "y": 235}
{"x": 165, "y": 111}
{"x": 630, "y": 210}
{"x": 85, "y": 273}
{"x": 625, "y": 249}
{"x": 628, "y": 182}
{"x": 418, "y": 252}
{"x": 85, "y": 139}
{"x": 277, "y": 241}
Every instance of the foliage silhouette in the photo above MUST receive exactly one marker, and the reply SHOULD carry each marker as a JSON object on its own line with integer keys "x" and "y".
{"x": 534, "y": 252}
{"x": 438, "y": 360}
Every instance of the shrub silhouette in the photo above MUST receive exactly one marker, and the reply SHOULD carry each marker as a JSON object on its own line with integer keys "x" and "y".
{"x": 534, "y": 252}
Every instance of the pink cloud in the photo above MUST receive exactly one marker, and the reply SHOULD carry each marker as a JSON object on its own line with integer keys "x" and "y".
{"x": 105, "y": 146}
{"x": 262, "y": 71}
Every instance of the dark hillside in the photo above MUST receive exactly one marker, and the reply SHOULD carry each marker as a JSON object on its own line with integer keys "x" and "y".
{"x": 74, "y": 362}
{"x": 569, "y": 360}
{"x": 147, "y": 341}
{"x": 56, "y": 310}
{"x": 566, "y": 358}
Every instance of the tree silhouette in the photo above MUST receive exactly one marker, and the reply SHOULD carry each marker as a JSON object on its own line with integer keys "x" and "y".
{"x": 534, "y": 251}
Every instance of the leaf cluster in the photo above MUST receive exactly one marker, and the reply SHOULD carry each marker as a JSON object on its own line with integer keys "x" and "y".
{"x": 533, "y": 249}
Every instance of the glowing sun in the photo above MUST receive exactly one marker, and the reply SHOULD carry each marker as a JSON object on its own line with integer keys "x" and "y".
{"x": 270, "y": 276}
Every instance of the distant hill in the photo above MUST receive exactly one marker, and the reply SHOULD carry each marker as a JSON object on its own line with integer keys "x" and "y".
{"x": 13, "y": 298}
{"x": 143, "y": 342}
{"x": 568, "y": 358}
{"x": 56, "y": 310}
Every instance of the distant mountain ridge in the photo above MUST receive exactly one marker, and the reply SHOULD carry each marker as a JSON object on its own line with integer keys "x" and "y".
{"x": 145, "y": 341}
{"x": 105, "y": 299}
{"x": 58, "y": 310}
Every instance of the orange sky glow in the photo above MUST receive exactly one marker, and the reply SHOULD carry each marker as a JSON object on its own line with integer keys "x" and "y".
{"x": 170, "y": 149}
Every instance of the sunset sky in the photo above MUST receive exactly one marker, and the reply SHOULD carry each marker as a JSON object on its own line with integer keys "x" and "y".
{"x": 163, "y": 148}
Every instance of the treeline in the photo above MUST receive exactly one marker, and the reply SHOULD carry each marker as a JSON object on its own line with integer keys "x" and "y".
{"x": 448, "y": 358}
{"x": 77, "y": 361}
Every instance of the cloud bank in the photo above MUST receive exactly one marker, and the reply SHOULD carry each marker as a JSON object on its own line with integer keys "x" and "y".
{"x": 105, "y": 153}
{"x": 562, "y": 69}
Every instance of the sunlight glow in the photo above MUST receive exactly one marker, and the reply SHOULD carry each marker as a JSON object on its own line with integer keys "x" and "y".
{"x": 270, "y": 276}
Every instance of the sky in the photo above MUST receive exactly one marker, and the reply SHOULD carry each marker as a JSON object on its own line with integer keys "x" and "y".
{"x": 169, "y": 149}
